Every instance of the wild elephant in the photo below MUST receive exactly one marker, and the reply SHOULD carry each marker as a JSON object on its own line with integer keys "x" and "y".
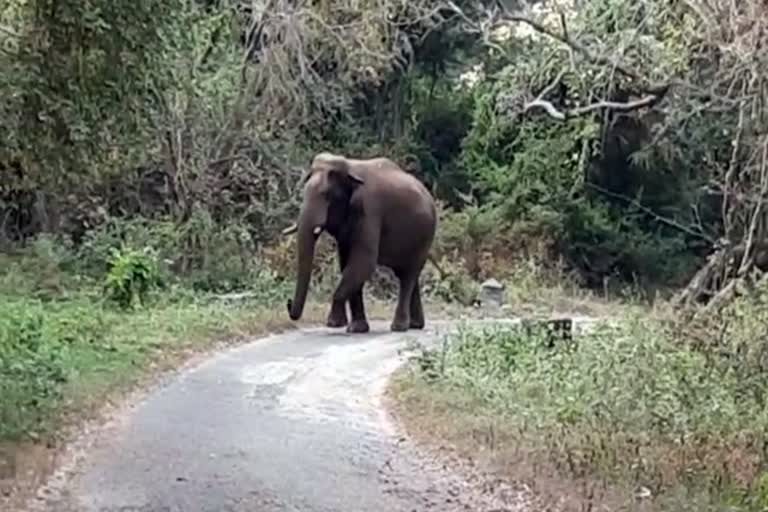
{"x": 379, "y": 215}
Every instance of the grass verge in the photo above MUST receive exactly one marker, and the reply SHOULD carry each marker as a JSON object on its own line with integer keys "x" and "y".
{"x": 63, "y": 361}
{"x": 633, "y": 418}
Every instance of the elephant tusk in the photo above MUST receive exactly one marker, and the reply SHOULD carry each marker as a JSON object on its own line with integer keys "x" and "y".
{"x": 291, "y": 229}
{"x": 317, "y": 230}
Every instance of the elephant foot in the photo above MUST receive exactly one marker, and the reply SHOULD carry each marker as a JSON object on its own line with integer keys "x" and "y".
{"x": 399, "y": 325}
{"x": 335, "y": 322}
{"x": 416, "y": 324}
{"x": 358, "y": 326}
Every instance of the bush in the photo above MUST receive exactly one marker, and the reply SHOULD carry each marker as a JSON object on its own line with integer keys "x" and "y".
{"x": 131, "y": 276}
{"x": 629, "y": 405}
{"x": 603, "y": 242}
{"x": 735, "y": 338}
{"x": 32, "y": 368}
{"x": 96, "y": 248}
{"x": 41, "y": 269}
{"x": 574, "y": 183}
{"x": 198, "y": 253}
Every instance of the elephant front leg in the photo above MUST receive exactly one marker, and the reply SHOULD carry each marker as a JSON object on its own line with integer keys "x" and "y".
{"x": 355, "y": 274}
{"x": 359, "y": 322}
{"x": 337, "y": 317}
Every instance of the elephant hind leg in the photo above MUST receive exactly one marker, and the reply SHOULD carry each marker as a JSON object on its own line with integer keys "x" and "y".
{"x": 402, "y": 320}
{"x": 417, "y": 309}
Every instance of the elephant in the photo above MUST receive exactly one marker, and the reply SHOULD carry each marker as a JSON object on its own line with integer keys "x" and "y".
{"x": 379, "y": 215}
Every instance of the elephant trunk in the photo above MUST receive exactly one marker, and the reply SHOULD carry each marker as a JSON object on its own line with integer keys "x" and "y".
{"x": 307, "y": 236}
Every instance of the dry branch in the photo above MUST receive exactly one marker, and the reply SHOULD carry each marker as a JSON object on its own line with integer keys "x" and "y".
{"x": 615, "y": 106}
{"x": 660, "y": 218}
{"x": 502, "y": 15}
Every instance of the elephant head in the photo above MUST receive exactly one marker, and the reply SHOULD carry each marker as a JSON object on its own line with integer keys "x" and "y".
{"x": 326, "y": 206}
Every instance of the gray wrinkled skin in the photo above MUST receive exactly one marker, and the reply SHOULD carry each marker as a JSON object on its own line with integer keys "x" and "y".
{"x": 290, "y": 423}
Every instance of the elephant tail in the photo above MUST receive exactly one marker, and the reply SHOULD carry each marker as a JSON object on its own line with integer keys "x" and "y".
{"x": 431, "y": 258}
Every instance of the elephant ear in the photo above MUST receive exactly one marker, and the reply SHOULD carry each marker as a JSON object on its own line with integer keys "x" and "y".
{"x": 341, "y": 173}
{"x": 351, "y": 178}
{"x": 346, "y": 182}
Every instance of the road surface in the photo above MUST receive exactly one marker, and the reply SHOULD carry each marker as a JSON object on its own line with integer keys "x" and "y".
{"x": 293, "y": 422}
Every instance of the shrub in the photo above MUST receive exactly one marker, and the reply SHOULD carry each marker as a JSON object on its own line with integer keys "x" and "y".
{"x": 198, "y": 253}
{"x": 97, "y": 247}
{"x": 131, "y": 276}
{"x": 628, "y": 405}
{"x": 41, "y": 269}
{"x": 574, "y": 183}
{"x": 602, "y": 241}
{"x": 32, "y": 368}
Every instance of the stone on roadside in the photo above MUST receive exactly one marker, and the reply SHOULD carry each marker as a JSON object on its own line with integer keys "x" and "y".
{"x": 491, "y": 294}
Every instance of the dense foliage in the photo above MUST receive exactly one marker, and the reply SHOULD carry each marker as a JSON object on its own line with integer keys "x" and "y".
{"x": 187, "y": 110}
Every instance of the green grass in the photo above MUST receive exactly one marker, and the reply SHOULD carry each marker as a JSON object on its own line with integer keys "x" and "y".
{"x": 58, "y": 356}
{"x": 74, "y": 337}
{"x": 71, "y": 337}
{"x": 622, "y": 409}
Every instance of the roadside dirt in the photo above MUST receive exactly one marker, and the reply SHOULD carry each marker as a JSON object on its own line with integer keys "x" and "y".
{"x": 448, "y": 426}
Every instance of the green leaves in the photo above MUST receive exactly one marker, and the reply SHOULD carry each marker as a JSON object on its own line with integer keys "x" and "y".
{"x": 32, "y": 368}
{"x": 131, "y": 276}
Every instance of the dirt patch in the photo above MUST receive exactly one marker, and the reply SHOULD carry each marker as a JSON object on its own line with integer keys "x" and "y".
{"x": 23, "y": 466}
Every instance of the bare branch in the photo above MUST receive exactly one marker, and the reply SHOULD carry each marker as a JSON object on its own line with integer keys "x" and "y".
{"x": 551, "y": 87}
{"x": 654, "y": 92}
{"x": 757, "y": 211}
{"x": 614, "y": 106}
{"x": 482, "y": 28}
{"x": 727, "y": 182}
{"x": 548, "y": 107}
{"x": 564, "y": 25}
{"x": 440, "y": 272}
{"x": 669, "y": 222}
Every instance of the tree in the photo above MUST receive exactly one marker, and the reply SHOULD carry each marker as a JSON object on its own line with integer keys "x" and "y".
{"x": 693, "y": 73}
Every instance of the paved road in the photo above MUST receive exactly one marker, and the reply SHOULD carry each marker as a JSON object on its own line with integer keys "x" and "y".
{"x": 289, "y": 423}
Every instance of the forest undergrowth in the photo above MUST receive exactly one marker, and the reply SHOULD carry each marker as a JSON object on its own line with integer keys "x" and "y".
{"x": 648, "y": 412}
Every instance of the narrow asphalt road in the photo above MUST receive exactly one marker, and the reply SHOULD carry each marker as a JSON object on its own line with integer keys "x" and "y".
{"x": 293, "y": 422}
